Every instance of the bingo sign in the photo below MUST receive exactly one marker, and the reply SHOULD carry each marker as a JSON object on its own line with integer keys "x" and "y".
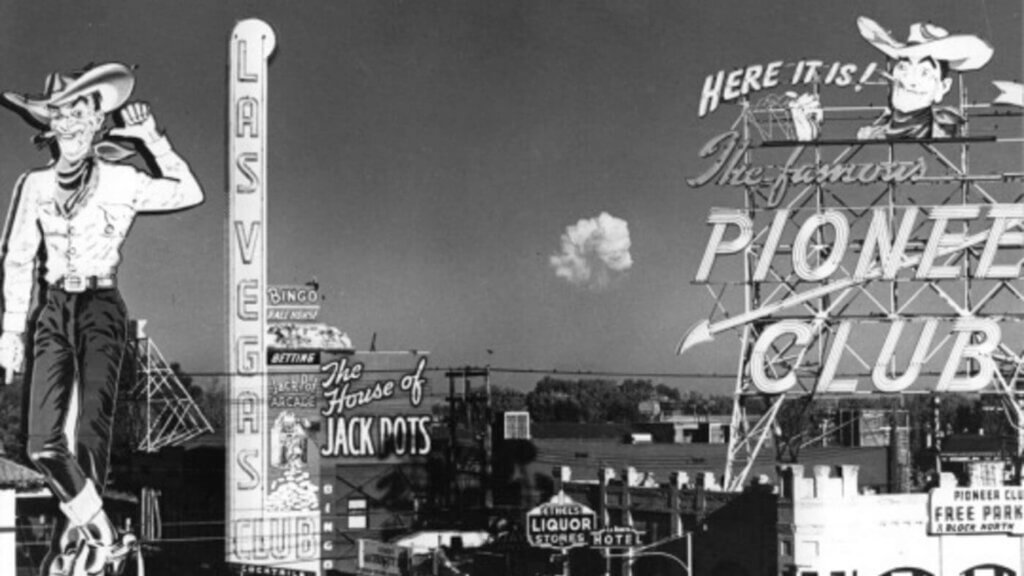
{"x": 560, "y": 524}
{"x": 293, "y": 303}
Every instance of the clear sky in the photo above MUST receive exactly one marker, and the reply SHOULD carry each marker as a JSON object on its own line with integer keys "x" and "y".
{"x": 427, "y": 156}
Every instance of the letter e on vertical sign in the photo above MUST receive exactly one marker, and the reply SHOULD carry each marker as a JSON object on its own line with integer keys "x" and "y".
{"x": 252, "y": 43}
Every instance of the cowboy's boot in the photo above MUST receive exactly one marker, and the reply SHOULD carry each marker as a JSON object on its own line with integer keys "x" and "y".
{"x": 105, "y": 550}
{"x": 97, "y": 533}
{"x": 63, "y": 550}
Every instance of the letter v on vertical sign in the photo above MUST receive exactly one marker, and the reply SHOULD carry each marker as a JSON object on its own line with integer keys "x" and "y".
{"x": 247, "y": 240}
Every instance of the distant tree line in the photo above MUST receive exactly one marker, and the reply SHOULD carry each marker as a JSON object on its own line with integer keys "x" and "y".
{"x": 582, "y": 401}
{"x": 601, "y": 401}
{"x": 802, "y": 419}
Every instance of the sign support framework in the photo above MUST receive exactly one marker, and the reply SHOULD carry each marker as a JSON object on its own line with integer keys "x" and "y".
{"x": 874, "y": 300}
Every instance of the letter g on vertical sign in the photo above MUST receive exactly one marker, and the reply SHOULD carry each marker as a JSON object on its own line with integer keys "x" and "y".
{"x": 248, "y": 348}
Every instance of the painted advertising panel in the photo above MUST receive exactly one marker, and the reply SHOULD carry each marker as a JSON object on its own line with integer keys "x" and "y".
{"x": 984, "y": 510}
{"x": 325, "y": 410}
{"x": 339, "y": 420}
{"x": 976, "y": 510}
{"x": 380, "y": 559}
{"x": 373, "y": 407}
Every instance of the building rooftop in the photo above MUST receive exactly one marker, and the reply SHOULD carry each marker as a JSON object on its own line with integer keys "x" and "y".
{"x": 586, "y": 457}
{"x": 571, "y": 430}
{"x": 14, "y": 475}
{"x": 972, "y": 444}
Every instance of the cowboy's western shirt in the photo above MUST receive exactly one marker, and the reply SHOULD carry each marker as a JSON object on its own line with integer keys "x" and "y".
{"x": 85, "y": 239}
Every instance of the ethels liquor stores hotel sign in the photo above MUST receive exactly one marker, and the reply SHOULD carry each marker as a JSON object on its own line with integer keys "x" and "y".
{"x": 560, "y": 524}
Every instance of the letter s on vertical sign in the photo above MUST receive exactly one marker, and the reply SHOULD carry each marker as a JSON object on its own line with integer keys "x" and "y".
{"x": 244, "y": 162}
{"x": 244, "y": 462}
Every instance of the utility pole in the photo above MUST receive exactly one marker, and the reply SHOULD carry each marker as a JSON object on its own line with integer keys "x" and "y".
{"x": 488, "y": 440}
{"x": 452, "y": 448}
{"x": 462, "y": 399}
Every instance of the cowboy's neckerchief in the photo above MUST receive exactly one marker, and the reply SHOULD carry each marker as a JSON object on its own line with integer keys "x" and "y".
{"x": 934, "y": 122}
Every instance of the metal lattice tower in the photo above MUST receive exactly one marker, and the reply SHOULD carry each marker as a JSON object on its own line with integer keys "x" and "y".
{"x": 171, "y": 416}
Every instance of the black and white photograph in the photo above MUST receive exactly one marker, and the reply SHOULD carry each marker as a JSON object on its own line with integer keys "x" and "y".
{"x": 516, "y": 287}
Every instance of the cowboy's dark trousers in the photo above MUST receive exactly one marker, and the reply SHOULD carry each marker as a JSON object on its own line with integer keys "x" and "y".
{"x": 77, "y": 336}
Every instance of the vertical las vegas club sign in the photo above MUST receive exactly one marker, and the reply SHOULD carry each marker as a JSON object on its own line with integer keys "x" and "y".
{"x": 257, "y": 535}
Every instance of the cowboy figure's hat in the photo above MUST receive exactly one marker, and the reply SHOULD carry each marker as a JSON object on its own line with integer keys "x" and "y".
{"x": 963, "y": 52}
{"x": 113, "y": 82}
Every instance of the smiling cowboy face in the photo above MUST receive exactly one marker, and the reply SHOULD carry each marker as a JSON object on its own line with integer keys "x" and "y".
{"x": 917, "y": 84}
{"x": 75, "y": 126}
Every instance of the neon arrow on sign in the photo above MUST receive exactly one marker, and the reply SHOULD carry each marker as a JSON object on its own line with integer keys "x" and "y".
{"x": 704, "y": 331}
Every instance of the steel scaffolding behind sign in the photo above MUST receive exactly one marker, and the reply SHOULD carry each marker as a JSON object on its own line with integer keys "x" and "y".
{"x": 879, "y": 260}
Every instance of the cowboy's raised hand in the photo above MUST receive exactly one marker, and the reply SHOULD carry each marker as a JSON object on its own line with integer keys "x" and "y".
{"x": 138, "y": 123}
{"x": 12, "y": 353}
{"x": 806, "y": 113}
